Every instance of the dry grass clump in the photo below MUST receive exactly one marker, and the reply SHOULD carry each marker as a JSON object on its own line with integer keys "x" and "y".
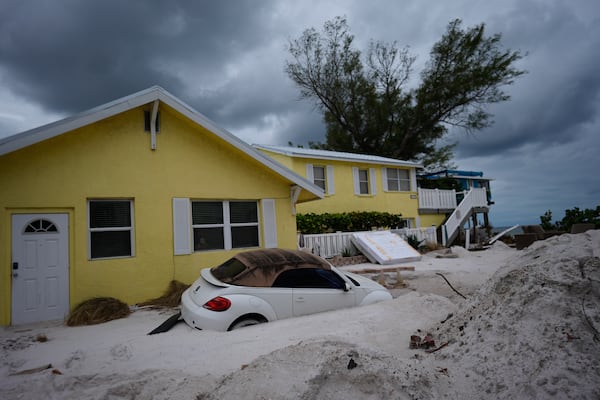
{"x": 431, "y": 246}
{"x": 42, "y": 338}
{"x": 171, "y": 298}
{"x": 98, "y": 310}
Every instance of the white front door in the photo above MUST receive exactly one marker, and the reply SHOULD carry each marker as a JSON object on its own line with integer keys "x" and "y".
{"x": 40, "y": 267}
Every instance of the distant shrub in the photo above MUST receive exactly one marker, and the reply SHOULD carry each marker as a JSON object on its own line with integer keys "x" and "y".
{"x": 572, "y": 216}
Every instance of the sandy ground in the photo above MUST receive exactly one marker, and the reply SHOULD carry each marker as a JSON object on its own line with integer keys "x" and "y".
{"x": 528, "y": 328}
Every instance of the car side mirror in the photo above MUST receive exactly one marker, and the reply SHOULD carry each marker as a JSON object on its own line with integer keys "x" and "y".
{"x": 347, "y": 287}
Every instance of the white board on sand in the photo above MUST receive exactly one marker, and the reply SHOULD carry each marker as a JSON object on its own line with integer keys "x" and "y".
{"x": 504, "y": 232}
{"x": 384, "y": 247}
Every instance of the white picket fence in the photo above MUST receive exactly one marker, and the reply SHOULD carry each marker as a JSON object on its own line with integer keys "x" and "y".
{"x": 333, "y": 244}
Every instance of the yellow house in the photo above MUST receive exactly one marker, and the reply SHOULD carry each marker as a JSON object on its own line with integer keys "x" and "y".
{"x": 354, "y": 182}
{"x": 121, "y": 199}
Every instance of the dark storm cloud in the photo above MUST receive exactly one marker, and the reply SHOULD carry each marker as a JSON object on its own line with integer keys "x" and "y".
{"x": 226, "y": 59}
{"x": 561, "y": 91}
{"x": 73, "y": 55}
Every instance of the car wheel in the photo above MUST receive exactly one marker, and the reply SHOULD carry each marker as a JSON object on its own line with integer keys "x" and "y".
{"x": 246, "y": 322}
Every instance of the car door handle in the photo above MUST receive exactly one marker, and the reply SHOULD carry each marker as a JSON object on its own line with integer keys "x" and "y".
{"x": 299, "y": 299}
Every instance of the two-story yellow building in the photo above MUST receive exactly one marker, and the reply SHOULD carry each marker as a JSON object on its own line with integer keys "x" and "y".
{"x": 354, "y": 182}
{"x": 121, "y": 199}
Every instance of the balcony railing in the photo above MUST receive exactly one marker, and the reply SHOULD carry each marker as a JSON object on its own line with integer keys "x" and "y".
{"x": 437, "y": 199}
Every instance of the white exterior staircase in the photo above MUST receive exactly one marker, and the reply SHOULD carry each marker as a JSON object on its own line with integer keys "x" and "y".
{"x": 475, "y": 200}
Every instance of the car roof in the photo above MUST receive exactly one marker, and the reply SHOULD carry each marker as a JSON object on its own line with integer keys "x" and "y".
{"x": 263, "y": 266}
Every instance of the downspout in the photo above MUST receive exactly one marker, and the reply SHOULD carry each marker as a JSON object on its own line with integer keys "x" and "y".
{"x": 153, "y": 125}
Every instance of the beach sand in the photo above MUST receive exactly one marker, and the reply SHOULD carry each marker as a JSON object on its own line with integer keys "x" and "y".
{"x": 528, "y": 328}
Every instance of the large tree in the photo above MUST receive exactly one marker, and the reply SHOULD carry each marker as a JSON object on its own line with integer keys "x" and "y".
{"x": 366, "y": 102}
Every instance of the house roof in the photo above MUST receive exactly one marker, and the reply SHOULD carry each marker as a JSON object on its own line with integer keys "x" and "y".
{"x": 457, "y": 174}
{"x": 299, "y": 152}
{"x": 36, "y": 135}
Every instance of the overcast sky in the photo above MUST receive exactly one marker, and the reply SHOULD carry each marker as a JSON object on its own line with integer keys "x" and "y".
{"x": 226, "y": 59}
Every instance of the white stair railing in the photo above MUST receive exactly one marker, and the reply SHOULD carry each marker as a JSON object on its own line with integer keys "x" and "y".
{"x": 474, "y": 198}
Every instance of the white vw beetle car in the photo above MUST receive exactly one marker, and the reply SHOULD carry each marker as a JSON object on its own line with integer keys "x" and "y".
{"x": 266, "y": 285}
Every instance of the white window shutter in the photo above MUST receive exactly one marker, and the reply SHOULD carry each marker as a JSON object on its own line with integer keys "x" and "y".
{"x": 372, "y": 181}
{"x": 182, "y": 228}
{"x": 413, "y": 179}
{"x": 384, "y": 179}
{"x": 355, "y": 180}
{"x": 330, "y": 182}
{"x": 269, "y": 223}
{"x": 309, "y": 173}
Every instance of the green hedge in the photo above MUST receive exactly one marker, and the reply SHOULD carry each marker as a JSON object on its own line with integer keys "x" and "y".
{"x": 347, "y": 222}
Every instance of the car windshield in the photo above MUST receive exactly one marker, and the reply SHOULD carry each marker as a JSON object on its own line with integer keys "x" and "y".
{"x": 228, "y": 269}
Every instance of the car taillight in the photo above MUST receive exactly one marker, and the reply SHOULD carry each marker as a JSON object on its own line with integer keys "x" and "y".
{"x": 217, "y": 304}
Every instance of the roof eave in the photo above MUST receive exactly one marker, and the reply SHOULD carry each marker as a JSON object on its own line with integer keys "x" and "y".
{"x": 334, "y": 157}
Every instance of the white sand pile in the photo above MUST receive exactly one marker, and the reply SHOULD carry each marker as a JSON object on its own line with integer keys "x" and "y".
{"x": 529, "y": 331}
{"x": 329, "y": 370}
{"x": 532, "y": 330}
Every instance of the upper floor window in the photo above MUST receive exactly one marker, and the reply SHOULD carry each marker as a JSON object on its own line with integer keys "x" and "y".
{"x": 363, "y": 181}
{"x": 225, "y": 224}
{"x": 398, "y": 180}
{"x": 322, "y": 176}
{"x": 319, "y": 177}
{"x": 110, "y": 226}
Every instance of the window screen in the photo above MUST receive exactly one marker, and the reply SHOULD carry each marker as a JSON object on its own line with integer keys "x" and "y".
{"x": 225, "y": 224}
{"x": 319, "y": 176}
{"x": 363, "y": 181}
{"x": 207, "y": 212}
{"x": 110, "y": 228}
{"x": 398, "y": 180}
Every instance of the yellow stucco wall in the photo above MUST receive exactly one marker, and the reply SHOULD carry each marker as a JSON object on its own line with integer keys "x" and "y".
{"x": 344, "y": 199}
{"x": 112, "y": 159}
{"x": 432, "y": 219}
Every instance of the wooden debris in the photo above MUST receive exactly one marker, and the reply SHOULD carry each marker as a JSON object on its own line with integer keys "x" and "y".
{"x": 399, "y": 281}
{"x": 381, "y": 279}
{"x": 437, "y": 348}
{"x": 449, "y": 284}
{"x": 33, "y": 370}
{"x": 378, "y": 270}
